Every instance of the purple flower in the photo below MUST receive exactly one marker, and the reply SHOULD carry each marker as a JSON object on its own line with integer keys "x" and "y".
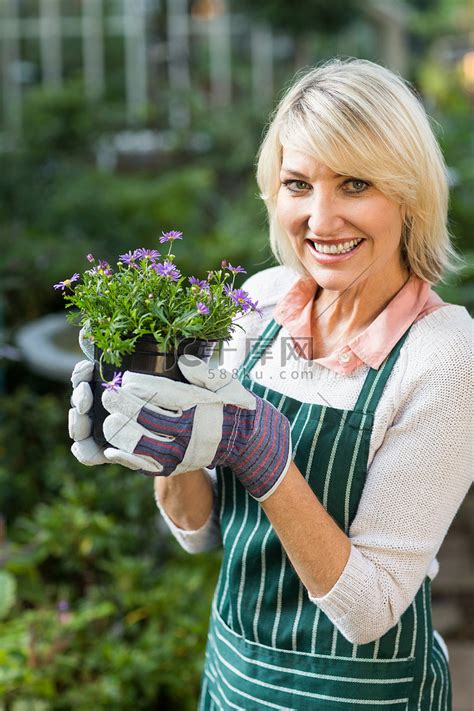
{"x": 235, "y": 270}
{"x": 170, "y": 236}
{"x": 90, "y": 257}
{"x": 254, "y": 307}
{"x": 147, "y": 253}
{"x": 103, "y": 268}
{"x": 130, "y": 257}
{"x": 67, "y": 282}
{"x": 202, "y": 308}
{"x": 167, "y": 269}
{"x": 201, "y": 283}
{"x": 241, "y": 298}
{"x": 63, "y": 605}
{"x": 115, "y": 383}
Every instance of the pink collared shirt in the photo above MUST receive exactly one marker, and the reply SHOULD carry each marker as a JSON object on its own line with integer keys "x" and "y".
{"x": 414, "y": 300}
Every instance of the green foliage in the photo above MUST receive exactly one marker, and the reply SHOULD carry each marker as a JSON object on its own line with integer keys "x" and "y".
{"x": 59, "y": 122}
{"x": 454, "y": 115}
{"x": 81, "y": 211}
{"x": 56, "y": 206}
{"x": 298, "y": 18}
{"x": 437, "y": 18}
{"x": 449, "y": 105}
{"x": 460, "y": 290}
{"x": 108, "y": 612}
{"x": 28, "y": 431}
{"x": 7, "y": 593}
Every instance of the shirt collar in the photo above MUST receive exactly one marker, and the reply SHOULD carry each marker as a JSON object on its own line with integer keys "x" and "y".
{"x": 414, "y": 300}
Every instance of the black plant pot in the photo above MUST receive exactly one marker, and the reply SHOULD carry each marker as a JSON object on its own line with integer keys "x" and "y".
{"x": 147, "y": 358}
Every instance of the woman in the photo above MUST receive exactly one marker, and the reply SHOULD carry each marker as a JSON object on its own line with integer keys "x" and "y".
{"x": 332, "y": 466}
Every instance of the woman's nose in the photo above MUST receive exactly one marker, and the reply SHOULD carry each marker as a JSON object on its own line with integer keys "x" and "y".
{"x": 324, "y": 219}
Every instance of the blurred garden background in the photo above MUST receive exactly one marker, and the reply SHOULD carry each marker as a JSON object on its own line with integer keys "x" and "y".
{"x": 120, "y": 119}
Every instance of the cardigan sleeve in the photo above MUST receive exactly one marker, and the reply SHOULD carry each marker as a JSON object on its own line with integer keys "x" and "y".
{"x": 415, "y": 485}
{"x": 198, "y": 540}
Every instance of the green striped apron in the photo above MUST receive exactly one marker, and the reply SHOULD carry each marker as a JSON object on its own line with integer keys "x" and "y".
{"x": 269, "y": 646}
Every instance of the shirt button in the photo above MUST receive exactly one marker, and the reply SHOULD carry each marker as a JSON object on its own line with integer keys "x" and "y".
{"x": 344, "y": 357}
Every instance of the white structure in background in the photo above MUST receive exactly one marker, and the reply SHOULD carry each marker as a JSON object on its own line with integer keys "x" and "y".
{"x": 390, "y": 20}
{"x": 134, "y": 32}
{"x": 93, "y": 48}
{"x": 38, "y": 349}
{"x": 220, "y": 59}
{"x": 262, "y": 64}
{"x": 50, "y": 41}
{"x": 10, "y": 58}
{"x": 177, "y": 50}
{"x": 207, "y": 22}
{"x": 52, "y": 27}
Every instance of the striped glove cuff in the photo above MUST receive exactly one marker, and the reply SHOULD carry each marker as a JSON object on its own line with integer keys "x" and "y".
{"x": 256, "y": 445}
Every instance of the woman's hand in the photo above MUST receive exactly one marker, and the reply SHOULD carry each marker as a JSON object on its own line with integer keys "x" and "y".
{"x": 166, "y": 428}
{"x": 85, "y": 449}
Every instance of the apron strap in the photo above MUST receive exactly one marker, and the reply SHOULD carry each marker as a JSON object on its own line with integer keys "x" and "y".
{"x": 268, "y": 335}
{"x": 376, "y": 379}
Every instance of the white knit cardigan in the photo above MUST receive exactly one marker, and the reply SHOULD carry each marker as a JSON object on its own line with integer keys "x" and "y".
{"x": 420, "y": 459}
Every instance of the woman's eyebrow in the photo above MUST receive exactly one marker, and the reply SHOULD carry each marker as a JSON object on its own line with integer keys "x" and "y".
{"x": 297, "y": 174}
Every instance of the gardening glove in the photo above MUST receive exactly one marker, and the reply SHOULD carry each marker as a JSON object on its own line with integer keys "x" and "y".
{"x": 165, "y": 428}
{"x": 85, "y": 449}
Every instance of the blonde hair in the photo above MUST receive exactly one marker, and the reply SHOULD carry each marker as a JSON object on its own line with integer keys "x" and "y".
{"x": 362, "y": 120}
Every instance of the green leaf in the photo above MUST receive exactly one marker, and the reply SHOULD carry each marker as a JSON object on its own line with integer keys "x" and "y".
{"x": 7, "y": 592}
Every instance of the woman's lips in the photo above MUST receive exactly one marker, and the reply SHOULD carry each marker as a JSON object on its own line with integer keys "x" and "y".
{"x": 331, "y": 258}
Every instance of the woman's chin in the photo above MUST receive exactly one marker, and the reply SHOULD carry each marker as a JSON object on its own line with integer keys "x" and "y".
{"x": 328, "y": 279}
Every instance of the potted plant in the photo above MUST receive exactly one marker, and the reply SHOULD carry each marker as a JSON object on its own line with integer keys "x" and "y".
{"x": 144, "y": 314}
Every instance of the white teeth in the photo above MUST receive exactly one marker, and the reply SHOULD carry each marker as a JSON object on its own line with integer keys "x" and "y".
{"x": 336, "y": 249}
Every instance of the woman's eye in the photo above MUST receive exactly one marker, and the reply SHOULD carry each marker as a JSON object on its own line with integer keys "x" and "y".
{"x": 359, "y": 186}
{"x": 295, "y": 186}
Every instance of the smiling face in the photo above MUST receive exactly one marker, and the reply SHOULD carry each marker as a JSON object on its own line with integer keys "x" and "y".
{"x": 344, "y": 231}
